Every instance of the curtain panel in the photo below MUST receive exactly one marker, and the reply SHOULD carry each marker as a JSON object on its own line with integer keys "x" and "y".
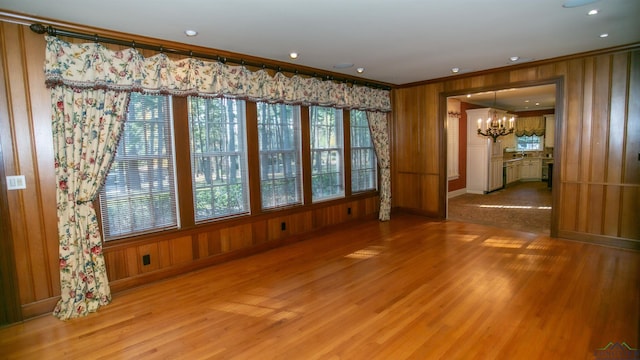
{"x": 529, "y": 126}
{"x": 380, "y": 138}
{"x": 92, "y": 65}
{"x": 86, "y": 127}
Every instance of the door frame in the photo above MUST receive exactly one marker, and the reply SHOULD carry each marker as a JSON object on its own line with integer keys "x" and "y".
{"x": 557, "y": 149}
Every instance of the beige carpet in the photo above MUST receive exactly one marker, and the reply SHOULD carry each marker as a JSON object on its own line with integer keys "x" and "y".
{"x": 524, "y": 206}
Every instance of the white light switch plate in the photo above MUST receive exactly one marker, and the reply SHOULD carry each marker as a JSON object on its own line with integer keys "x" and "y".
{"x": 16, "y": 182}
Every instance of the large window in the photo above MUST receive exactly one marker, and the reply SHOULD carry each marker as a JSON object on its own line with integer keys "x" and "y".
{"x": 327, "y": 177}
{"x": 279, "y": 145}
{"x": 218, "y": 157}
{"x": 532, "y": 142}
{"x": 363, "y": 156}
{"x": 139, "y": 194}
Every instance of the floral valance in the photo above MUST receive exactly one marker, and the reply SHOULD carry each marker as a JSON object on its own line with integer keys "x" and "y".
{"x": 529, "y": 126}
{"x": 92, "y": 65}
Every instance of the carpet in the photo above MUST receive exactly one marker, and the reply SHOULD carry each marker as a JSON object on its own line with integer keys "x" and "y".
{"x": 523, "y": 206}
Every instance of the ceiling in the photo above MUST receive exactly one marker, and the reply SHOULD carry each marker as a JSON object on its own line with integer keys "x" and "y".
{"x": 396, "y": 42}
{"x": 532, "y": 98}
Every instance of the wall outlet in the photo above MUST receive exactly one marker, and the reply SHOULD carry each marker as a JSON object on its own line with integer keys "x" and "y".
{"x": 146, "y": 259}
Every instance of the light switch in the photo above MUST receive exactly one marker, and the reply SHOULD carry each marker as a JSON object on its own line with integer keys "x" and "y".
{"x": 16, "y": 182}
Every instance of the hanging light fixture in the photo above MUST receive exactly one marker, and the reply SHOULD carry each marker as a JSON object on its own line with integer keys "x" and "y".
{"x": 495, "y": 126}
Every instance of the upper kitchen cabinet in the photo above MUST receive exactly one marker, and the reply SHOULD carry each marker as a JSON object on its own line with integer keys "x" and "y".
{"x": 549, "y": 130}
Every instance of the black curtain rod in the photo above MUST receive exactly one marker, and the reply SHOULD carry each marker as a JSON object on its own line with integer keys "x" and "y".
{"x": 41, "y": 29}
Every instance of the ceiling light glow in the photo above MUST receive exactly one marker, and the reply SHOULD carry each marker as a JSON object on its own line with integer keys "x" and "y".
{"x": 604, "y": 35}
{"x": 293, "y": 55}
{"x": 360, "y": 70}
{"x": 514, "y": 58}
{"x": 191, "y": 32}
{"x": 455, "y": 70}
{"x": 593, "y": 12}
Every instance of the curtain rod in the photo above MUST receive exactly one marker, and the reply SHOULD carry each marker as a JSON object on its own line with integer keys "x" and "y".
{"x": 41, "y": 29}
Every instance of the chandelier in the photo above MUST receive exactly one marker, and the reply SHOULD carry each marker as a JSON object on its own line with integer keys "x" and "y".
{"x": 495, "y": 126}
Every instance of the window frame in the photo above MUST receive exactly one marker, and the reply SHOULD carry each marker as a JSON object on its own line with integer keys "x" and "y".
{"x": 337, "y": 149}
{"x": 241, "y": 153}
{"x": 295, "y": 152}
{"x": 355, "y": 148}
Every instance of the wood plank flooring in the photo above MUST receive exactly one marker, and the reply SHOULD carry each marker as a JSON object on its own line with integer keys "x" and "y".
{"x": 406, "y": 289}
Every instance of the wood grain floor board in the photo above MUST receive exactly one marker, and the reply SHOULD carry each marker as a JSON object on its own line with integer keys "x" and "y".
{"x": 410, "y": 288}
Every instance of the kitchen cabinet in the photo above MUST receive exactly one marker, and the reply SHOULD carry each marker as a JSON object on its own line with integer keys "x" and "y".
{"x": 549, "y": 130}
{"x": 484, "y": 157}
{"x": 531, "y": 169}
{"x": 512, "y": 168}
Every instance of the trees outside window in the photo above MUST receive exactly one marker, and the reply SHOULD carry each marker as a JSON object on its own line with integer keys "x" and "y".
{"x": 327, "y": 167}
{"x": 139, "y": 194}
{"x": 218, "y": 157}
{"x": 279, "y": 146}
{"x": 364, "y": 174}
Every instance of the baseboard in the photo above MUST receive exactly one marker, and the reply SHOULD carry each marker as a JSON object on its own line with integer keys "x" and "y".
{"x": 40, "y": 307}
{"x": 611, "y": 241}
{"x": 454, "y": 193}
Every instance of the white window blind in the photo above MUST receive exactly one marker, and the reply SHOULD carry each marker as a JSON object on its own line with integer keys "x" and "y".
{"x": 139, "y": 194}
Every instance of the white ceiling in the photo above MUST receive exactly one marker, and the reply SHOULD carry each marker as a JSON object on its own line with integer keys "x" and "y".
{"x": 397, "y": 42}
{"x": 532, "y": 98}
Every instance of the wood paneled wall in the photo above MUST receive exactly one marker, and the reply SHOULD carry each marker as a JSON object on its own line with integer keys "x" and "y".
{"x": 596, "y": 188}
{"x": 27, "y": 149}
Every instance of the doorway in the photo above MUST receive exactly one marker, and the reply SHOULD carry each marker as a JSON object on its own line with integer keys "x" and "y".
{"x": 526, "y": 203}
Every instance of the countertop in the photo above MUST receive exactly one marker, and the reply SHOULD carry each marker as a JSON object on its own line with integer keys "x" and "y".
{"x": 507, "y": 160}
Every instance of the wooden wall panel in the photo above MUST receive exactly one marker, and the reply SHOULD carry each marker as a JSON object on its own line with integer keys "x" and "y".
{"x": 597, "y": 149}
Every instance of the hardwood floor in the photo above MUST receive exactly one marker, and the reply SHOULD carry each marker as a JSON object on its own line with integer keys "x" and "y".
{"x": 406, "y": 289}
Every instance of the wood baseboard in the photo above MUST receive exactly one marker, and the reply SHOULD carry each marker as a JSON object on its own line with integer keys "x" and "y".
{"x": 611, "y": 241}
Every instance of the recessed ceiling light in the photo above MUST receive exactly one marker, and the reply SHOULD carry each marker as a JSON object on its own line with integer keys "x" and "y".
{"x": 537, "y": 104}
{"x": 604, "y": 35}
{"x": 342, "y": 66}
{"x": 526, "y": 101}
{"x": 576, "y": 3}
{"x": 191, "y": 32}
{"x": 593, "y": 12}
{"x": 360, "y": 70}
{"x": 468, "y": 95}
{"x": 293, "y": 55}
{"x": 514, "y": 58}
{"x": 455, "y": 70}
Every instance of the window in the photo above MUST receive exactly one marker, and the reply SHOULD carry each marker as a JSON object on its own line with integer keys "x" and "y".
{"x": 218, "y": 157}
{"x": 363, "y": 156}
{"x": 327, "y": 179}
{"x": 139, "y": 194}
{"x": 279, "y": 146}
{"x": 533, "y": 142}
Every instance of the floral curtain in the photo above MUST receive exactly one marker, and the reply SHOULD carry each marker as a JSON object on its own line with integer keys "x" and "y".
{"x": 529, "y": 126}
{"x": 86, "y": 128}
{"x": 92, "y": 65}
{"x": 380, "y": 137}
